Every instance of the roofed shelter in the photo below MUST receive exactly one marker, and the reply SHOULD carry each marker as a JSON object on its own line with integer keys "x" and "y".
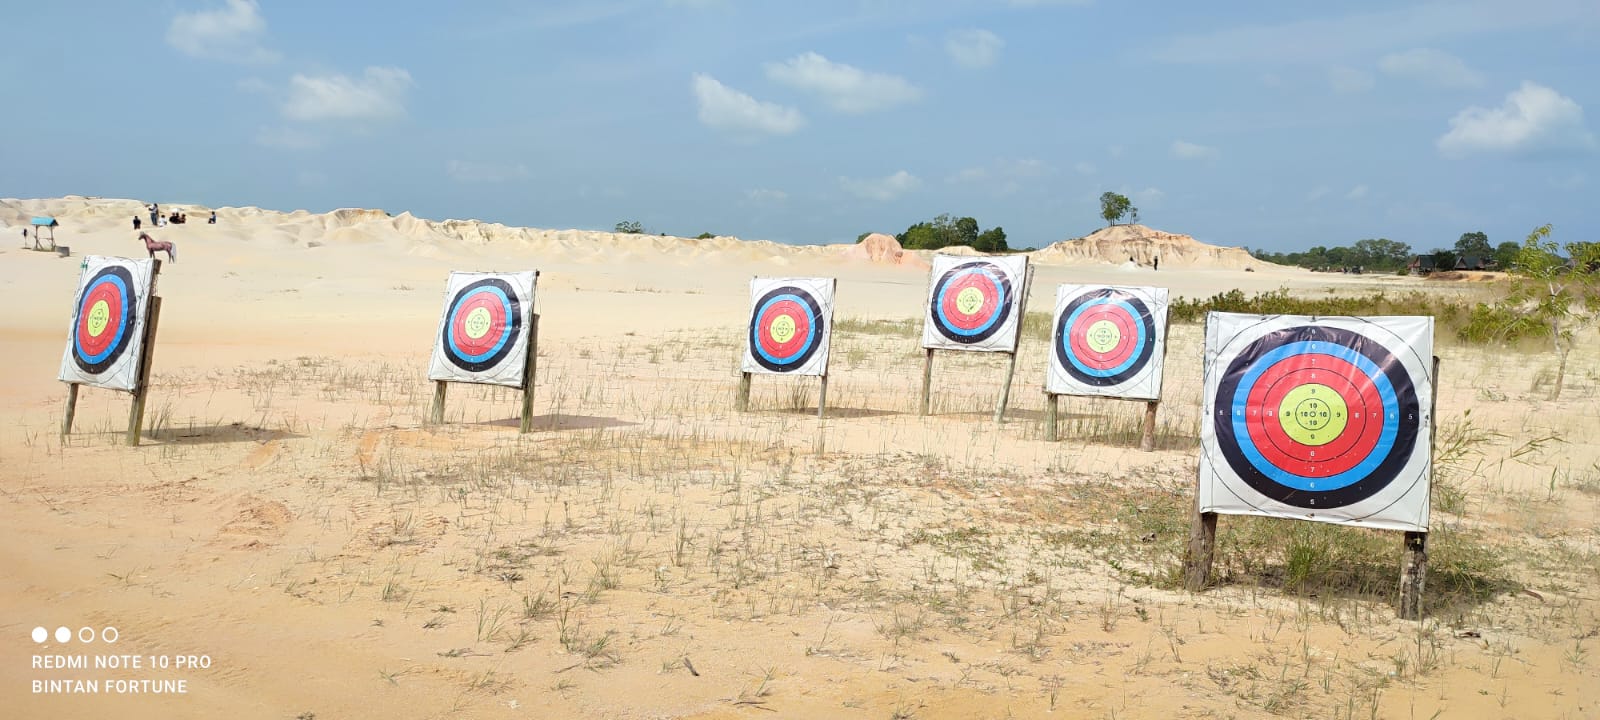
{"x": 39, "y": 225}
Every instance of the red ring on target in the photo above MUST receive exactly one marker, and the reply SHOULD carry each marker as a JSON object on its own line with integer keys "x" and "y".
{"x": 1354, "y": 443}
{"x": 798, "y": 339}
{"x": 984, "y": 313}
{"x": 1128, "y": 336}
{"x": 486, "y": 340}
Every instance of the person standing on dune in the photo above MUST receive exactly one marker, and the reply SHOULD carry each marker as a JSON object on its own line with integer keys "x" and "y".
{"x": 136, "y": 222}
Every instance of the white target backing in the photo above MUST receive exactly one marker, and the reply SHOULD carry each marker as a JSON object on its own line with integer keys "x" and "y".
{"x": 1108, "y": 341}
{"x": 105, "y": 342}
{"x": 975, "y": 303}
{"x": 791, "y": 326}
{"x": 483, "y": 331}
{"x": 1325, "y": 419}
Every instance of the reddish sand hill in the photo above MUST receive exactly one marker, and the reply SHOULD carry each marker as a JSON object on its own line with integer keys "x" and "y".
{"x": 1119, "y": 243}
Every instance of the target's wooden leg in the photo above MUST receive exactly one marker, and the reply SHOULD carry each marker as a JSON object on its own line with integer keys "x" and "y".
{"x": 1147, "y": 443}
{"x": 530, "y": 372}
{"x": 927, "y": 383}
{"x": 72, "y": 408}
{"x": 741, "y": 398}
{"x": 1413, "y": 575}
{"x": 1202, "y": 551}
{"x": 147, "y": 356}
{"x": 1052, "y": 415}
{"x": 1005, "y": 390}
{"x": 822, "y": 398}
{"x": 436, "y": 414}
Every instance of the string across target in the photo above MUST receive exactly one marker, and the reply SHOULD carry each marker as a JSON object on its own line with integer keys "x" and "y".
{"x": 1105, "y": 337}
{"x": 786, "y": 327}
{"x": 971, "y": 302}
{"x": 482, "y": 323}
{"x": 1317, "y": 417}
{"x": 107, "y": 317}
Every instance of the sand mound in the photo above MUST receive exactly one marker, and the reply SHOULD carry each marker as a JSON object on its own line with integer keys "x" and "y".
{"x": 882, "y": 249}
{"x": 1117, "y": 244}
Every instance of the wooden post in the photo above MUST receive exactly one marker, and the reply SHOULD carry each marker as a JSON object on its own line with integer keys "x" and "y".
{"x": 1414, "y": 565}
{"x": 147, "y": 355}
{"x": 927, "y": 383}
{"x": 436, "y": 415}
{"x": 530, "y": 370}
{"x": 1148, "y": 442}
{"x": 741, "y": 399}
{"x": 1413, "y": 575}
{"x": 822, "y": 397}
{"x": 1052, "y": 410}
{"x": 1005, "y": 388}
{"x": 72, "y": 408}
{"x": 1202, "y": 549}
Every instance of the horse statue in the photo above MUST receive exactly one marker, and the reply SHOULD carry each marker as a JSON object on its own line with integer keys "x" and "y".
{"x": 152, "y": 245}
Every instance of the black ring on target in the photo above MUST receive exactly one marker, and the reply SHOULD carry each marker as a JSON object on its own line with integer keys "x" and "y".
{"x": 1129, "y": 311}
{"x": 1370, "y": 370}
{"x": 983, "y": 277}
{"x": 806, "y": 333}
{"x": 498, "y": 302}
{"x": 107, "y": 304}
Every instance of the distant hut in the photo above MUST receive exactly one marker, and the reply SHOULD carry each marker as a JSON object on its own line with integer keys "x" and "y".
{"x": 1475, "y": 262}
{"x": 39, "y": 226}
{"x": 1422, "y": 264}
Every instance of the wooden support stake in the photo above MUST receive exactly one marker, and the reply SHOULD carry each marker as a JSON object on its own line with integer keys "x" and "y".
{"x": 1052, "y": 413}
{"x": 1148, "y": 442}
{"x": 530, "y": 370}
{"x": 822, "y": 397}
{"x": 436, "y": 415}
{"x": 1005, "y": 390}
{"x": 1414, "y": 565}
{"x": 927, "y": 383}
{"x": 1413, "y": 575}
{"x": 147, "y": 358}
{"x": 741, "y": 399}
{"x": 1202, "y": 550}
{"x": 72, "y": 408}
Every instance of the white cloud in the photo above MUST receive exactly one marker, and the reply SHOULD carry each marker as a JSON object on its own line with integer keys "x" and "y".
{"x": 1192, "y": 151}
{"x": 1349, "y": 80}
{"x": 1572, "y": 181}
{"x": 379, "y": 93}
{"x": 1042, "y": 3}
{"x": 724, "y": 108}
{"x": 286, "y": 139}
{"x": 1534, "y": 119}
{"x": 232, "y": 33}
{"x": 845, "y": 88}
{"x": 973, "y": 48}
{"x": 881, "y": 189}
{"x": 1318, "y": 192}
{"x": 765, "y": 196}
{"x": 1149, "y": 195}
{"x": 1357, "y": 192}
{"x": 1004, "y": 177}
{"x": 1432, "y": 67}
{"x": 1085, "y": 168}
{"x": 485, "y": 172}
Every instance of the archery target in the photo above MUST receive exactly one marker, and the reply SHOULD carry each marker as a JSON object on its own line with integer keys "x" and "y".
{"x": 105, "y": 341}
{"x": 1323, "y": 419}
{"x": 1108, "y": 341}
{"x": 483, "y": 334}
{"x": 791, "y": 326}
{"x": 975, "y": 303}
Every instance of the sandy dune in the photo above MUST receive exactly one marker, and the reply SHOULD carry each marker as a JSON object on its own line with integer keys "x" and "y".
{"x": 292, "y": 517}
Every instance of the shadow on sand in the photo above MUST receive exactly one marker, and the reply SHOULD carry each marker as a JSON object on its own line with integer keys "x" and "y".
{"x": 556, "y": 422}
{"x": 213, "y": 434}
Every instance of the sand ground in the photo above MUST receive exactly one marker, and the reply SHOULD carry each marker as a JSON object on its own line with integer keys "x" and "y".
{"x": 648, "y": 552}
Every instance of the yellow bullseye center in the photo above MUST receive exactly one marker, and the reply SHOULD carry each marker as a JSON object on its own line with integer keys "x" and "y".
{"x": 782, "y": 328}
{"x": 1102, "y": 336}
{"x": 1313, "y": 414}
{"x": 99, "y": 317}
{"x": 478, "y": 322}
{"x": 969, "y": 300}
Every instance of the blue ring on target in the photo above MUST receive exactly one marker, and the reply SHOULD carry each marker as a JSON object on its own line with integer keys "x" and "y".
{"x": 1133, "y": 357}
{"x": 450, "y": 325}
{"x": 126, "y": 318}
{"x": 122, "y": 327}
{"x": 815, "y": 322}
{"x": 512, "y": 325}
{"x": 1391, "y": 417}
{"x": 1000, "y": 288}
{"x": 811, "y": 337}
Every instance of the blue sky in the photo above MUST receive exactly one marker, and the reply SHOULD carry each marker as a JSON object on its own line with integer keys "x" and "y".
{"x": 1274, "y": 124}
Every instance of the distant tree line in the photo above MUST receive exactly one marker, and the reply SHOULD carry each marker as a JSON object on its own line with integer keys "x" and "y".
{"x": 945, "y": 231}
{"x": 1371, "y": 254}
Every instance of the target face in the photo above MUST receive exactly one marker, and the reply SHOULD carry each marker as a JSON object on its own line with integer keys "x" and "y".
{"x": 1108, "y": 341}
{"x": 482, "y": 334}
{"x": 106, "y": 335}
{"x": 974, "y": 303}
{"x": 789, "y": 330}
{"x": 1325, "y": 418}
